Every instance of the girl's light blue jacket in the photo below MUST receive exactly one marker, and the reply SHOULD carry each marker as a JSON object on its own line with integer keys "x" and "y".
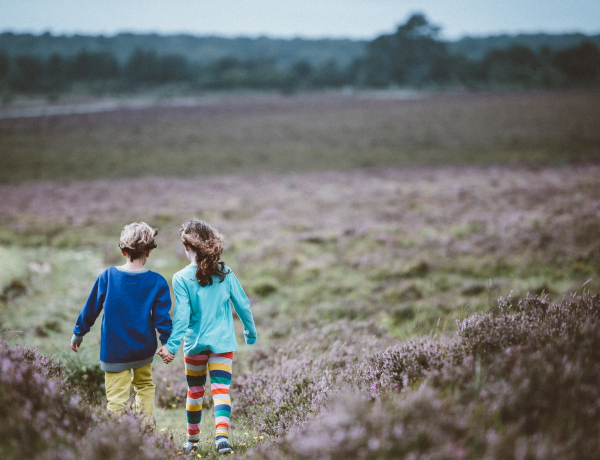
{"x": 203, "y": 317}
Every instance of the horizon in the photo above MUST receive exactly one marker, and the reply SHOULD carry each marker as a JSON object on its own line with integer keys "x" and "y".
{"x": 271, "y": 37}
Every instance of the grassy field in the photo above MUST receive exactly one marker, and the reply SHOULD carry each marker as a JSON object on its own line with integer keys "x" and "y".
{"x": 304, "y": 133}
{"x": 358, "y": 260}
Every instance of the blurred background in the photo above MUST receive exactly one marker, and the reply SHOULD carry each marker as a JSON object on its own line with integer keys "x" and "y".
{"x": 186, "y": 48}
{"x": 381, "y": 170}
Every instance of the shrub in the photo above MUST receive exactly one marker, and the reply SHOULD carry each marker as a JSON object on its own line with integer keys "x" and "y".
{"x": 353, "y": 427}
{"x": 39, "y": 413}
{"x": 83, "y": 371}
{"x": 44, "y": 417}
{"x": 286, "y": 385}
{"x": 520, "y": 382}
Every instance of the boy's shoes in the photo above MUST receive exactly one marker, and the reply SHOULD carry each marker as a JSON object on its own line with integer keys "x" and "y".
{"x": 223, "y": 447}
{"x": 189, "y": 447}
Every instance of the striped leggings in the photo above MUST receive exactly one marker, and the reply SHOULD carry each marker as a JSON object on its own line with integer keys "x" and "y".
{"x": 219, "y": 368}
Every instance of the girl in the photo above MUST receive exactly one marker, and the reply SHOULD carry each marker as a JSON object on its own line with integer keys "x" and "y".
{"x": 204, "y": 320}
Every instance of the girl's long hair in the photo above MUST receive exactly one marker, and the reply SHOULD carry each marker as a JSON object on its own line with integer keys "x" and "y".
{"x": 207, "y": 244}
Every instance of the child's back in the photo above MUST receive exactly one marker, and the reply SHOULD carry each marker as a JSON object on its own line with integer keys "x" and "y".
{"x": 203, "y": 320}
{"x": 136, "y": 303}
{"x": 204, "y": 316}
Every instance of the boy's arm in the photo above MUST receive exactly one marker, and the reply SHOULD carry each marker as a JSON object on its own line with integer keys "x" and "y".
{"x": 241, "y": 304}
{"x": 181, "y": 317}
{"x": 160, "y": 313}
{"x": 91, "y": 310}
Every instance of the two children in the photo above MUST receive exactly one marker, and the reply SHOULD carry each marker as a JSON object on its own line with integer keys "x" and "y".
{"x": 136, "y": 301}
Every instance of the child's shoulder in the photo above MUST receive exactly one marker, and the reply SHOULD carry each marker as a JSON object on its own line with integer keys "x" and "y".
{"x": 158, "y": 276}
{"x": 145, "y": 276}
{"x": 187, "y": 272}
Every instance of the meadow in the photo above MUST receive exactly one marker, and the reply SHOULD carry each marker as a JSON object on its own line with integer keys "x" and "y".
{"x": 374, "y": 286}
{"x": 315, "y": 132}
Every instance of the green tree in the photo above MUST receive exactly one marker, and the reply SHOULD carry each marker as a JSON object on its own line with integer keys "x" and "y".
{"x": 26, "y": 74}
{"x": 142, "y": 67}
{"x": 4, "y": 65}
{"x": 580, "y": 64}
{"x": 328, "y": 75}
{"x": 173, "y": 67}
{"x": 414, "y": 54}
{"x": 56, "y": 71}
{"x": 517, "y": 65}
{"x": 94, "y": 66}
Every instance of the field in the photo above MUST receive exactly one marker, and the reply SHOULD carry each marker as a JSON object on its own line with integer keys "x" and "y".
{"x": 233, "y": 135}
{"x": 370, "y": 235}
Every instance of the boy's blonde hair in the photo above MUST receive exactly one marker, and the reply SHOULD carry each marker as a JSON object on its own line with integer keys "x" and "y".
{"x": 137, "y": 239}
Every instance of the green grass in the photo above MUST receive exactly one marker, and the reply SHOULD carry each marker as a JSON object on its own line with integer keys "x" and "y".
{"x": 13, "y": 272}
{"x": 173, "y": 422}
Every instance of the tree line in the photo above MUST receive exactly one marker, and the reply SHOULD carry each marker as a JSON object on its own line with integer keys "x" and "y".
{"x": 414, "y": 56}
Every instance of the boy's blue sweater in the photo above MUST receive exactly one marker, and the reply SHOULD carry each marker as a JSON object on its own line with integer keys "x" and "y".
{"x": 135, "y": 304}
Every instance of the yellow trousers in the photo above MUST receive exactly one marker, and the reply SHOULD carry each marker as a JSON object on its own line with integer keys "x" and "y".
{"x": 117, "y": 390}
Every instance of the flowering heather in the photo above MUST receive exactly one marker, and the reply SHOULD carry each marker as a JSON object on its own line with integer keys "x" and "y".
{"x": 45, "y": 418}
{"x": 342, "y": 268}
{"x": 520, "y": 382}
{"x": 38, "y": 413}
{"x": 290, "y": 381}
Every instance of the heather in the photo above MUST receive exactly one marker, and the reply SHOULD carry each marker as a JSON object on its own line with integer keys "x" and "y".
{"x": 519, "y": 382}
{"x": 45, "y": 417}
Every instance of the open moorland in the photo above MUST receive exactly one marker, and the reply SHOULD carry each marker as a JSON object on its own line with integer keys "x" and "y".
{"x": 375, "y": 290}
{"x": 232, "y": 135}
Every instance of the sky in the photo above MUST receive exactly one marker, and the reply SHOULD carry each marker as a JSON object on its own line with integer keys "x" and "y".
{"x": 357, "y": 19}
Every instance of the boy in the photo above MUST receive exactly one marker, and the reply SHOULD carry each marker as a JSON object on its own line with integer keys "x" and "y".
{"x": 136, "y": 301}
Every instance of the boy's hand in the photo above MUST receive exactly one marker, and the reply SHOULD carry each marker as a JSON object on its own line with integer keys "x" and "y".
{"x": 75, "y": 346}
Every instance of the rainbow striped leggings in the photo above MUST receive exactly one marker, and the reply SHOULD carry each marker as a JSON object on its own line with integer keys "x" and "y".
{"x": 218, "y": 366}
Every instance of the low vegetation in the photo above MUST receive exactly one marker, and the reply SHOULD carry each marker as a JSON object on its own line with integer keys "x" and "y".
{"x": 44, "y": 417}
{"x": 274, "y": 134}
{"x": 375, "y": 291}
{"x": 518, "y": 382}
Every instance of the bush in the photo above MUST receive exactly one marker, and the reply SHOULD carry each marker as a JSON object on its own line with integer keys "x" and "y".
{"x": 83, "y": 371}
{"x": 520, "y": 382}
{"x": 286, "y": 385}
{"x": 39, "y": 413}
{"x": 44, "y": 417}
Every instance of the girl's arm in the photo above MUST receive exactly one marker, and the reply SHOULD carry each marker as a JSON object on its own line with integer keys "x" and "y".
{"x": 160, "y": 312}
{"x": 91, "y": 310}
{"x": 181, "y": 317}
{"x": 241, "y": 304}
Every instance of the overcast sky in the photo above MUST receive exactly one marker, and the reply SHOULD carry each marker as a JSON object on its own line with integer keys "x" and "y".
{"x": 303, "y": 18}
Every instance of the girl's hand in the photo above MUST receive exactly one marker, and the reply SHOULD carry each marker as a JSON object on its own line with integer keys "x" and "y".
{"x": 75, "y": 346}
{"x": 165, "y": 354}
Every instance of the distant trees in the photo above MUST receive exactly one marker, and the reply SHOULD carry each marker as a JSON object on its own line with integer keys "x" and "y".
{"x": 148, "y": 67}
{"x": 580, "y": 64}
{"x": 517, "y": 64}
{"x": 412, "y": 56}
